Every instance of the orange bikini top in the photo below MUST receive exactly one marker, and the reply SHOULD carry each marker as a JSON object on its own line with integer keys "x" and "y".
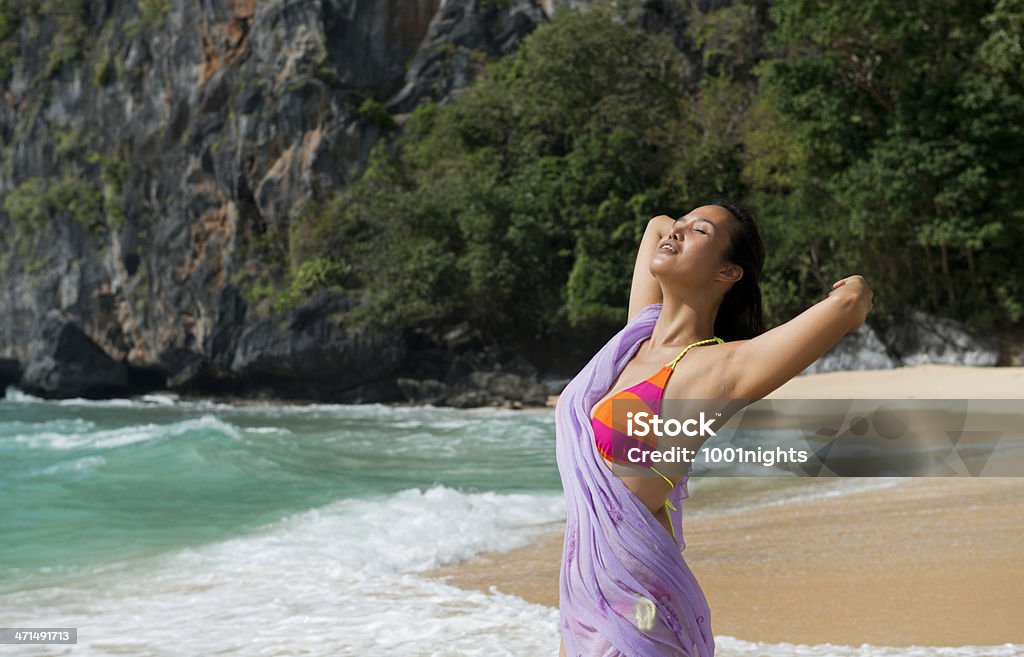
{"x": 609, "y": 434}
{"x": 652, "y": 388}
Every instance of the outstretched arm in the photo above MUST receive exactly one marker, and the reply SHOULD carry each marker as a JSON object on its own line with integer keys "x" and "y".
{"x": 758, "y": 366}
{"x": 645, "y": 289}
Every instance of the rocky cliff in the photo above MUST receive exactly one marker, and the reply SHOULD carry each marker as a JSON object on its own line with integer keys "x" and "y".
{"x": 151, "y": 149}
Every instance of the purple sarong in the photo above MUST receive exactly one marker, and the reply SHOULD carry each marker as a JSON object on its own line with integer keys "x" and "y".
{"x": 623, "y": 584}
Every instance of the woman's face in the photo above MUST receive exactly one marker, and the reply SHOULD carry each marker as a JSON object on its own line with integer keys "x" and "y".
{"x": 693, "y": 252}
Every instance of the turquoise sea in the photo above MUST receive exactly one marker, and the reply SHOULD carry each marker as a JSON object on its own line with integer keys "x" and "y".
{"x": 160, "y": 526}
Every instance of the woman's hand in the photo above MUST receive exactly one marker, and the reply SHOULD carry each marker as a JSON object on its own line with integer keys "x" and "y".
{"x": 860, "y": 295}
{"x": 662, "y": 225}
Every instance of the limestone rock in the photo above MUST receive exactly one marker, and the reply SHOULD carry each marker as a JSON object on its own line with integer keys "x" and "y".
{"x": 67, "y": 363}
{"x": 923, "y": 339}
{"x": 857, "y": 350}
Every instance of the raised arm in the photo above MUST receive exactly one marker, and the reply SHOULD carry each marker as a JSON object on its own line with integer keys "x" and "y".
{"x": 645, "y": 289}
{"x": 758, "y": 366}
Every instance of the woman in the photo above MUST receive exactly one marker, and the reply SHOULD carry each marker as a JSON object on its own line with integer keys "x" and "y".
{"x": 624, "y": 586}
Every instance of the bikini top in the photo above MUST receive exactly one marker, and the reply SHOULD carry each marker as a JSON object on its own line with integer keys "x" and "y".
{"x": 610, "y": 433}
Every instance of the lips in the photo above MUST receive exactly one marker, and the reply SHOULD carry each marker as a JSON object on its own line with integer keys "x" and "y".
{"x": 667, "y": 246}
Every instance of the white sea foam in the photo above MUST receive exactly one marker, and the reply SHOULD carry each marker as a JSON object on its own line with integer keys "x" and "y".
{"x": 280, "y": 430}
{"x": 16, "y": 395}
{"x": 339, "y": 580}
{"x": 73, "y": 466}
{"x": 161, "y": 399}
{"x": 110, "y": 438}
{"x": 56, "y": 425}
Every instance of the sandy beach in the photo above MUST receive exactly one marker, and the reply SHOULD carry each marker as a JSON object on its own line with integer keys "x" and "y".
{"x": 921, "y": 382}
{"x": 927, "y": 561}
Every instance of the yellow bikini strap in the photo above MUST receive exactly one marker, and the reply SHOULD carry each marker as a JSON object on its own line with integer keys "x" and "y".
{"x": 664, "y": 477}
{"x": 667, "y": 502}
{"x": 672, "y": 365}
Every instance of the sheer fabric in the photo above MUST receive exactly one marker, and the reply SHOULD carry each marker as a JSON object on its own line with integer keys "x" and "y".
{"x": 623, "y": 584}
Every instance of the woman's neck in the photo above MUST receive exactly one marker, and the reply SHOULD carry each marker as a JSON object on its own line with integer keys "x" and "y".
{"x": 681, "y": 323}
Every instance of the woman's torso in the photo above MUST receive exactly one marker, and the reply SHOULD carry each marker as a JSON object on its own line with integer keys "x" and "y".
{"x": 697, "y": 375}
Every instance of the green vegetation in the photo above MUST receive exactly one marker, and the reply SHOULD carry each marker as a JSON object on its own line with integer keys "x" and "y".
{"x": 34, "y": 203}
{"x": 83, "y": 202}
{"x": 542, "y": 173}
{"x": 103, "y": 71}
{"x": 315, "y": 273}
{"x": 152, "y": 16}
{"x": 154, "y": 12}
{"x": 113, "y": 172}
{"x": 69, "y": 35}
{"x": 375, "y": 112}
{"x": 870, "y": 137}
{"x": 25, "y": 20}
{"x": 9, "y": 19}
{"x": 906, "y": 135}
{"x": 22, "y": 204}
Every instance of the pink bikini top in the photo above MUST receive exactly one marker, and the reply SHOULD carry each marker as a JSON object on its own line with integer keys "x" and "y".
{"x": 610, "y": 433}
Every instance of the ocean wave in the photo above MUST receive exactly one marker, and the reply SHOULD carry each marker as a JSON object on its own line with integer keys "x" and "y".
{"x": 10, "y": 428}
{"x": 74, "y": 466}
{"x": 128, "y": 435}
{"x": 342, "y": 579}
{"x": 418, "y": 529}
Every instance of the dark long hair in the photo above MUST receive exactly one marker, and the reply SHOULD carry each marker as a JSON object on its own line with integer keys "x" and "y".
{"x": 741, "y": 315}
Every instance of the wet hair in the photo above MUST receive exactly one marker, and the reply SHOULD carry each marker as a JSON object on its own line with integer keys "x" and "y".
{"x": 741, "y": 315}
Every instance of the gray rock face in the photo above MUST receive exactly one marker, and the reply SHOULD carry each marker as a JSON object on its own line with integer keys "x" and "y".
{"x": 67, "y": 363}
{"x": 481, "y": 378}
{"x": 337, "y": 363}
{"x": 224, "y": 117}
{"x": 446, "y": 63}
{"x": 924, "y": 339}
{"x": 857, "y": 350}
{"x": 920, "y": 339}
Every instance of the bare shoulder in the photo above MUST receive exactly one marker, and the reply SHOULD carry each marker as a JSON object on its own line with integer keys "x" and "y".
{"x": 702, "y": 373}
{"x": 703, "y": 385}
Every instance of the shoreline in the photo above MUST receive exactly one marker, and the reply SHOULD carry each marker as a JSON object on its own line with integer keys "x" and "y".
{"x": 928, "y": 382}
{"x": 258, "y": 401}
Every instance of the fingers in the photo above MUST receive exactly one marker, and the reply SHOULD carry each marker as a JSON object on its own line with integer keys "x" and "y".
{"x": 843, "y": 281}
